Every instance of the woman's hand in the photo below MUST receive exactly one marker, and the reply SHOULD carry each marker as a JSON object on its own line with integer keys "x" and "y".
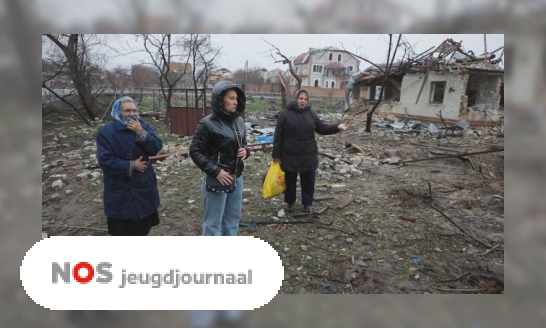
{"x": 343, "y": 127}
{"x": 134, "y": 125}
{"x": 241, "y": 153}
{"x": 140, "y": 165}
{"x": 224, "y": 178}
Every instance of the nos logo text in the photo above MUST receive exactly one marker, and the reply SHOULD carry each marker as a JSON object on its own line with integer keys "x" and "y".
{"x": 101, "y": 271}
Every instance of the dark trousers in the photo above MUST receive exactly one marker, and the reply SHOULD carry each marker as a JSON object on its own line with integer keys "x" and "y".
{"x": 307, "y": 181}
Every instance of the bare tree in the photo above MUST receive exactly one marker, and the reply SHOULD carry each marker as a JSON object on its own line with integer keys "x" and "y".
{"x": 119, "y": 79}
{"x": 254, "y": 77}
{"x": 143, "y": 77}
{"x": 164, "y": 50}
{"x": 203, "y": 55}
{"x": 78, "y": 60}
{"x": 408, "y": 58}
{"x": 285, "y": 60}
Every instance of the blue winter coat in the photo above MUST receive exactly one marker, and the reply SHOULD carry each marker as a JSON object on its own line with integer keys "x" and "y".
{"x": 128, "y": 194}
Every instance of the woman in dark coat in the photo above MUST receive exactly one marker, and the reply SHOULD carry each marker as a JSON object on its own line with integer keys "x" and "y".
{"x": 218, "y": 148}
{"x": 131, "y": 198}
{"x": 294, "y": 146}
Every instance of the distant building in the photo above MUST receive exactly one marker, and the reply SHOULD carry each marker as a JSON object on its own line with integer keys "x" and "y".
{"x": 326, "y": 68}
{"x": 221, "y": 74}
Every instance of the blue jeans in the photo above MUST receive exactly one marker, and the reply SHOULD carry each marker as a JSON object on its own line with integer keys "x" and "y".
{"x": 222, "y": 211}
{"x": 205, "y": 318}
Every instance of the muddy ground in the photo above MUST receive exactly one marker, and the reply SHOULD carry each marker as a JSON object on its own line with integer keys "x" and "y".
{"x": 378, "y": 230}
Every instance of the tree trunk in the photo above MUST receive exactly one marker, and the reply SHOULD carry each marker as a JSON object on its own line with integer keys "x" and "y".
{"x": 370, "y": 114}
{"x": 77, "y": 75}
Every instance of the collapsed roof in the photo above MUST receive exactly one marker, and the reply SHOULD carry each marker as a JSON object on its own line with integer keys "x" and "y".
{"x": 448, "y": 57}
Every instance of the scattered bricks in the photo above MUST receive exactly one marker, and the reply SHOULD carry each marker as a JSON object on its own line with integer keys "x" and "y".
{"x": 247, "y": 192}
{"x": 356, "y": 171}
{"x": 338, "y": 187}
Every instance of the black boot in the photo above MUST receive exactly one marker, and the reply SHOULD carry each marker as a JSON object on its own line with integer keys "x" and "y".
{"x": 307, "y": 208}
{"x": 290, "y": 207}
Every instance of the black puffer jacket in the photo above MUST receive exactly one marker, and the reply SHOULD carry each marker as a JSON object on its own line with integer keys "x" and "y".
{"x": 294, "y": 141}
{"x": 214, "y": 146}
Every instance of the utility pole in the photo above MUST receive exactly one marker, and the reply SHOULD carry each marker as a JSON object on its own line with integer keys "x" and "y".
{"x": 246, "y": 71}
{"x": 485, "y": 49}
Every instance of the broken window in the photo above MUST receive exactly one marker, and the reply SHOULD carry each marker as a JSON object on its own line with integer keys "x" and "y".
{"x": 317, "y": 69}
{"x": 437, "y": 91}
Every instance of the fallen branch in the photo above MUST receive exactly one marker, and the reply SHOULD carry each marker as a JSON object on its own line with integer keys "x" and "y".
{"x": 255, "y": 223}
{"x": 455, "y": 279}
{"x": 462, "y": 230}
{"x": 451, "y": 156}
{"x": 490, "y": 250}
{"x": 75, "y": 227}
{"x": 462, "y": 290}
{"x": 357, "y": 227}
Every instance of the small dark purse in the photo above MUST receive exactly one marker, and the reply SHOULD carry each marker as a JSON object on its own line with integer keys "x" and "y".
{"x": 213, "y": 185}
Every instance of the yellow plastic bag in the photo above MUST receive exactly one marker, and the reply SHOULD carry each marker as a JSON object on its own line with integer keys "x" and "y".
{"x": 274, "y": 181}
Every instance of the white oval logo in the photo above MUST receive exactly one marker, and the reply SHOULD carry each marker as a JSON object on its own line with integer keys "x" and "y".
{"x": 152, "y": 273}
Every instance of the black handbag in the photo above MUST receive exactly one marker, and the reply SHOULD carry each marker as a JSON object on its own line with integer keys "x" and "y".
{"x": 212, "y": 184}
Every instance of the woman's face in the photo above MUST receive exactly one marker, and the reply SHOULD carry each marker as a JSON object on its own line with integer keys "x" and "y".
{"x": 229, "y": 101}
{"x": 302, "y": 100}
{"x": 128, "y": 108}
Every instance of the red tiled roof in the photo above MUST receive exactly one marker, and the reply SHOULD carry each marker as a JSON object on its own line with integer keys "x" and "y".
{"x": 299, "y": 58}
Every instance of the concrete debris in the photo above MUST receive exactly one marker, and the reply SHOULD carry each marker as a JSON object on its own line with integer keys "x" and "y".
{"x": 338, "y": 187}
{"x": 57, "y": 184}
{"x": 95, "y": 175}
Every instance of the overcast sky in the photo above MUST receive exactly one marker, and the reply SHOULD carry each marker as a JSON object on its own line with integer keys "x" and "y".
{"x": 237, "y": 48}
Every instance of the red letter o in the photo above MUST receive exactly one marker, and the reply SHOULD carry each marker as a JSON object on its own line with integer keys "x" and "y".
{"x": 76, "y": 272}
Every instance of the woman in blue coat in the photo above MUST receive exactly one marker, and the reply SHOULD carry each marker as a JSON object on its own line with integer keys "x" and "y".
{"x": 131, "y": 198}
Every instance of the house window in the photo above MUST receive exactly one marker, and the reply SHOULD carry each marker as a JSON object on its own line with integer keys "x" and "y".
{"x": 339, "y": 57}
{"x": 317, "y": 69}
{"x": 333, "y": 84}
{"x": 350, "y": 68}
{"x": 316, "y": 82}
{"x": 331, "y": 57}
{"x": 326, "y": 84}
{"x": 437, "y": 90}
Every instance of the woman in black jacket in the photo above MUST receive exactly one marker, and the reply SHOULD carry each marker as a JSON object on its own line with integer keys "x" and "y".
{"x": 218, "y": 149}
{"x": 294, "y": 146}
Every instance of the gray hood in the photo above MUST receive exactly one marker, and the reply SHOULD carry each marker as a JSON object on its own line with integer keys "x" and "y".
{"x": 216, "y": 99}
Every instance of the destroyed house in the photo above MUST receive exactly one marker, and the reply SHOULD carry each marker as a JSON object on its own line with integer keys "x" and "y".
{"x": 460, "y": 85}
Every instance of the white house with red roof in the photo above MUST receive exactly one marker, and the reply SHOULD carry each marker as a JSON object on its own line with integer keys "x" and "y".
{"x": 326, "y": 68}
